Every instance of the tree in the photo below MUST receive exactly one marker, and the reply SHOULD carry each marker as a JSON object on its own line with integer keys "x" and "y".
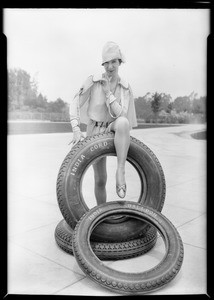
{"x": 165, "y": 101}
{"x": 169, "y": 108}
{"x": 58, "y": 106}
{"x": 199, "y": 105}
{"x": 39, "y": 102}
{"x": 182, "y": 104}
{"x": 20, "y": 88}
{"x": 143, "y": 106}
{"x": 156, "y": 104}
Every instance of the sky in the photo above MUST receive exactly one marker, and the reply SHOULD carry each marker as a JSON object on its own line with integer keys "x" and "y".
{"x": 165, "y": 49}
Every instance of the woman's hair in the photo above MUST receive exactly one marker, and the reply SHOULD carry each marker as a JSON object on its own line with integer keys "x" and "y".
{"x": 120, "y": 61}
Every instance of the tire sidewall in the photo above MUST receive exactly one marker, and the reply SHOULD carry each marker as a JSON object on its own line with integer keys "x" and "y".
{"x": 122, "y": 282}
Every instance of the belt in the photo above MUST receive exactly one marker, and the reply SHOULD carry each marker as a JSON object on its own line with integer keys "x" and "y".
{"x": 101, "y": 124}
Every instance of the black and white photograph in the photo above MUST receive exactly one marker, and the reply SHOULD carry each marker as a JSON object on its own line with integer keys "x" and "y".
{"x": 106, "y": 151}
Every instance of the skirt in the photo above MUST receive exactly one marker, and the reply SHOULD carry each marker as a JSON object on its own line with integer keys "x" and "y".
{"x": 94, "y": 127}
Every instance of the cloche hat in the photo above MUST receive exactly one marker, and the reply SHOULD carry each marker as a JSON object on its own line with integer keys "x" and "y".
{"x": 111, "y": 51}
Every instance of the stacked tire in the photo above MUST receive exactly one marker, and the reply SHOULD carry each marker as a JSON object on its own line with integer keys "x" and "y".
{"x": 116, "y": 229}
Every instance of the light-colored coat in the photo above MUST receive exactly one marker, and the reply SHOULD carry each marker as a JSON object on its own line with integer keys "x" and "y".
{"x": 90, "y": 102}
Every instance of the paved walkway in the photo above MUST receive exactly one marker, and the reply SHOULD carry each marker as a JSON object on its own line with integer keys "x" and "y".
{"x": 36, "y": 265}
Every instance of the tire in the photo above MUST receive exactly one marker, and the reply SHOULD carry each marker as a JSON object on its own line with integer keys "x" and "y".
{"x": 75, "y": 164}
{"x": 120, "y": 282}
{"x": 107, "y": 251}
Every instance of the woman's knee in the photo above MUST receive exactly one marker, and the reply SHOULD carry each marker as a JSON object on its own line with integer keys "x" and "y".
{"x": 122, "y": 124}
{"x": 100, "y": 173}
{"x": 100, "y": 181}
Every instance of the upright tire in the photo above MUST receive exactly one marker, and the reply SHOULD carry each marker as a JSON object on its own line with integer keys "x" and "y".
{"x": 75, "y": 164}
{"x": 107, "y": 251}
{"x": 120, "y": 282}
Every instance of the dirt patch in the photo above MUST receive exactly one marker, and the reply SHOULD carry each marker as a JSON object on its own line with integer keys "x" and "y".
{"x": 201, "y": 135}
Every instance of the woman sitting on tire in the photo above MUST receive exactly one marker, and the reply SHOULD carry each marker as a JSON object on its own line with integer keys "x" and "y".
{"x": 105, "y": 103}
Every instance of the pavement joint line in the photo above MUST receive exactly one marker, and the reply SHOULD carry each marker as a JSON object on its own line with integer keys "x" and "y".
{"x": 26, "y": 196}
{"x": 24, "y": 232}
{"x": 51, "y": 260}
{"x": 193, "y": 210}
{"x": 32, "y": 197}
{"x": 69, "y": 285}
{"x": 204, "y": 213}
{"x": 186, "y": 181}
{"x": 184, "y": 208}
{"x": 42, "y": 201}
{"x": 202, "y": 248}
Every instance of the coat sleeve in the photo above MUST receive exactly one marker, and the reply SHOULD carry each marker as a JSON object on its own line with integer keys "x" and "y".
{"x": 131, "y": 112}
{"x": 80, "y": 100}
{"x": 126, "y": 107}
{"x": 127, "y": 102}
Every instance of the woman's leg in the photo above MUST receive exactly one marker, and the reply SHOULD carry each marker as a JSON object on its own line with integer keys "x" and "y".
{"x": 122, "y": 142}
{"x": 100, "y": 179}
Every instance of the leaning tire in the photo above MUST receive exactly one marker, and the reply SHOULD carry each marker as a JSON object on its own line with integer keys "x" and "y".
{"x": 69, "y": 181}
{"x": 128, "y": 283}
{"x": 107, "y": 251}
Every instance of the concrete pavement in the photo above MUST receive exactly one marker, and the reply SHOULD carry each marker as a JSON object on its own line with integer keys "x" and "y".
{"x": 36, "y": 265}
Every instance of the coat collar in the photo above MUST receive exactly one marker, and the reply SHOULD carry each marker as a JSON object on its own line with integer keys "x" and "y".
{"x": 98, "y": 77}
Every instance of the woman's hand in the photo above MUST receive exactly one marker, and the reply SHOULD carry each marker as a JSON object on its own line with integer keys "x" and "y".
{"x": 105, "y": 82}
{"x": 77, "y": 135}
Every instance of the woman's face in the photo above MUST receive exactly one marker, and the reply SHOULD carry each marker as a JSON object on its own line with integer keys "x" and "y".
{"x": 111, "y": 67}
